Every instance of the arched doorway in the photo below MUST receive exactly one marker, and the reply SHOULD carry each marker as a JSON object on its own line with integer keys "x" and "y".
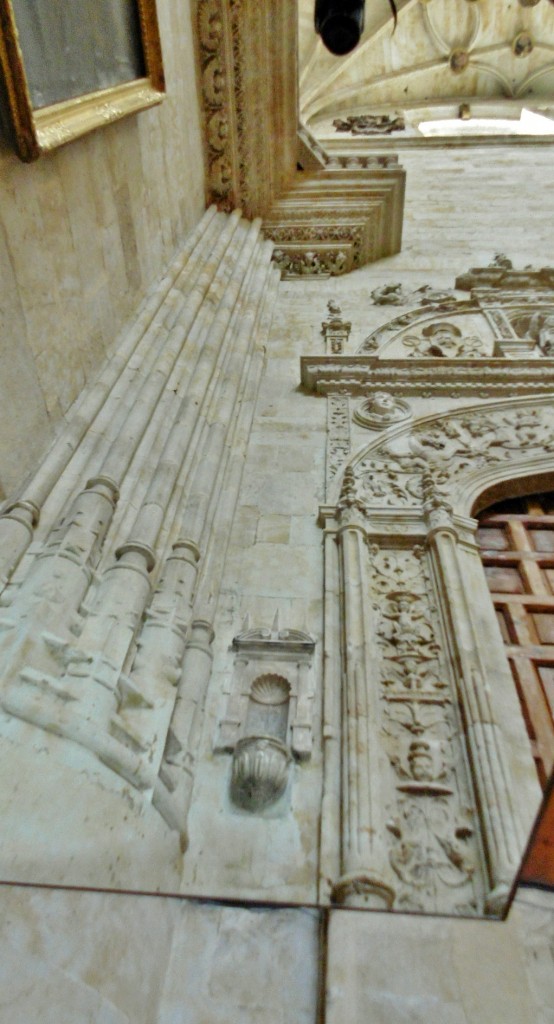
{"x": 516, "y": 539}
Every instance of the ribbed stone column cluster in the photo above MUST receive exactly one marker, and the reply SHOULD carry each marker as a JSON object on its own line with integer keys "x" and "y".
{"x": 106, "y": 631}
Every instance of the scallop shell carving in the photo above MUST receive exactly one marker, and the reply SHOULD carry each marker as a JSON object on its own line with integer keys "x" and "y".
{"x": 260, "y": 772}
{"x": 270, "y": 689}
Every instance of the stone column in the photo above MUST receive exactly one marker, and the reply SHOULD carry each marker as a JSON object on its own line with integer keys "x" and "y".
{"x": 485, "y": 745}
{"x": 365, "y": 867}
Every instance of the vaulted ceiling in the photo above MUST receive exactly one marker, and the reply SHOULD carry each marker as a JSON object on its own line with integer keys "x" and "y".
{"x": 496, "y": 54}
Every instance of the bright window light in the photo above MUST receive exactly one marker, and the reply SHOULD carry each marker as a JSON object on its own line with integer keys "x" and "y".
{"x": 529, "y": 123}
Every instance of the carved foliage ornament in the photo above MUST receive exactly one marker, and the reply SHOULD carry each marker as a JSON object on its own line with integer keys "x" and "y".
{"x": 370, "y": 124}
{"x": 449, "y": 448}
{"x": 432, "y": 848}
{"x": 311, "y": 264}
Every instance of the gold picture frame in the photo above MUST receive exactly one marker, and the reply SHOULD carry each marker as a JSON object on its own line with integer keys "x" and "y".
{"x": 39, "y": 130}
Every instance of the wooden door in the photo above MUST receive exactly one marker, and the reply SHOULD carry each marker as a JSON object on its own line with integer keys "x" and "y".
{"x": 516, "y": 538}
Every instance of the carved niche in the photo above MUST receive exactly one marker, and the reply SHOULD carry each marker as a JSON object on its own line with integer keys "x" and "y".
{"x": 269, "y": 714}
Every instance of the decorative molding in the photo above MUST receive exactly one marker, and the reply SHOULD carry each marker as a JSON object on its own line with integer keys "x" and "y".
{"x": 491, "y": 378}
{"x": 338, "y": 435}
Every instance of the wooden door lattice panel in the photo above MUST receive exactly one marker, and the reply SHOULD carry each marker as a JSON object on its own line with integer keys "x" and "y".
{"x": 516, "y": 538}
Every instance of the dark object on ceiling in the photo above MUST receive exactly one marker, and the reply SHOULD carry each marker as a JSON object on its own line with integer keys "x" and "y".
{"x": 340, "y": 23}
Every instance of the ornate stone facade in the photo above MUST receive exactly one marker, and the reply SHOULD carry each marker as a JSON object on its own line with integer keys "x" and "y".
{"x": 423, "y": 758}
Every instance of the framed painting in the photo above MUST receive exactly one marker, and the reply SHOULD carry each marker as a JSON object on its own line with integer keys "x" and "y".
{"x": 69, "y": 68}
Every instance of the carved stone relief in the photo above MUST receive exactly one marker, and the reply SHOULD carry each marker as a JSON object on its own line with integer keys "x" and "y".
{"x": 370, "y": 124}
{"x": 449, "y": 448}
{"x": 335, "y": 330}
{"x": 432, "y": 857}
{"x": 323, "y": 263}
{"x": 381, "y": 411}
{"x": 443, "y": 340}
{"x": 384, "y": 333}
{"x": 430, "y": 819}
{"x": 338, "y": 435}
{"x": 396, "y": 295}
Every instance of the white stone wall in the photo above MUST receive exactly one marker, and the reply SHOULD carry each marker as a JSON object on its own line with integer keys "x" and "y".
{"x": 84, "y": 231}
{"x": 118, "y": 958}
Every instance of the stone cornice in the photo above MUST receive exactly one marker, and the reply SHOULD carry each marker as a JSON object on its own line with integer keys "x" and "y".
{"x": 487, "y": 378}
{"x": 325, "y": 215}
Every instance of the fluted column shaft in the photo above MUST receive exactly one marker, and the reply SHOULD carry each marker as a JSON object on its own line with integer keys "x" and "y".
{"x": 365, "y": 878}
{"x": 21, "y": 515}
{"x": 491, "y": 774}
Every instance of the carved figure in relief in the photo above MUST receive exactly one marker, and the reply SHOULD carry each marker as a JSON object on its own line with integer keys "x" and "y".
{"x": 335, "y": 312}
{"x": 423, "y": 762}
{"x": 370, "y": 124}
{"x": 541, "y": 327}
{"x": 382, "y": 409}
{"x": 395, "y": 295}
{"x": 405, "y": 623}
{"x": 300, "y": 264}
{"x": 443, "y": 341}
{"x": 502, "y": 261}
{"x": 431, "y": 852}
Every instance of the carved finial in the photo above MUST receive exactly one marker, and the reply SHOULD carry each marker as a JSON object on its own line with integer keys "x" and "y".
{"x": 275, "y": 623}
{"x": 438, "y": 512}
{"x": 349, "y": 500}
{"x": 335, "y": 330}
{"x": 501, "y": 260}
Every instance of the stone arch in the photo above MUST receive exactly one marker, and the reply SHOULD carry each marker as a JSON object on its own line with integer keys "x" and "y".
{"x": 411, "y": 333}
{"x": 467, "y": 452}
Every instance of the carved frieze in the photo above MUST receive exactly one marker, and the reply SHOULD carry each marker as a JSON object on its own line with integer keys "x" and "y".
{"x": 489, "y": 378}
{"x": 338, "y": 435}
{"x": 432, "y": 849}
{"x": 323, "y": 263}
{"x": 447, "y": 449}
